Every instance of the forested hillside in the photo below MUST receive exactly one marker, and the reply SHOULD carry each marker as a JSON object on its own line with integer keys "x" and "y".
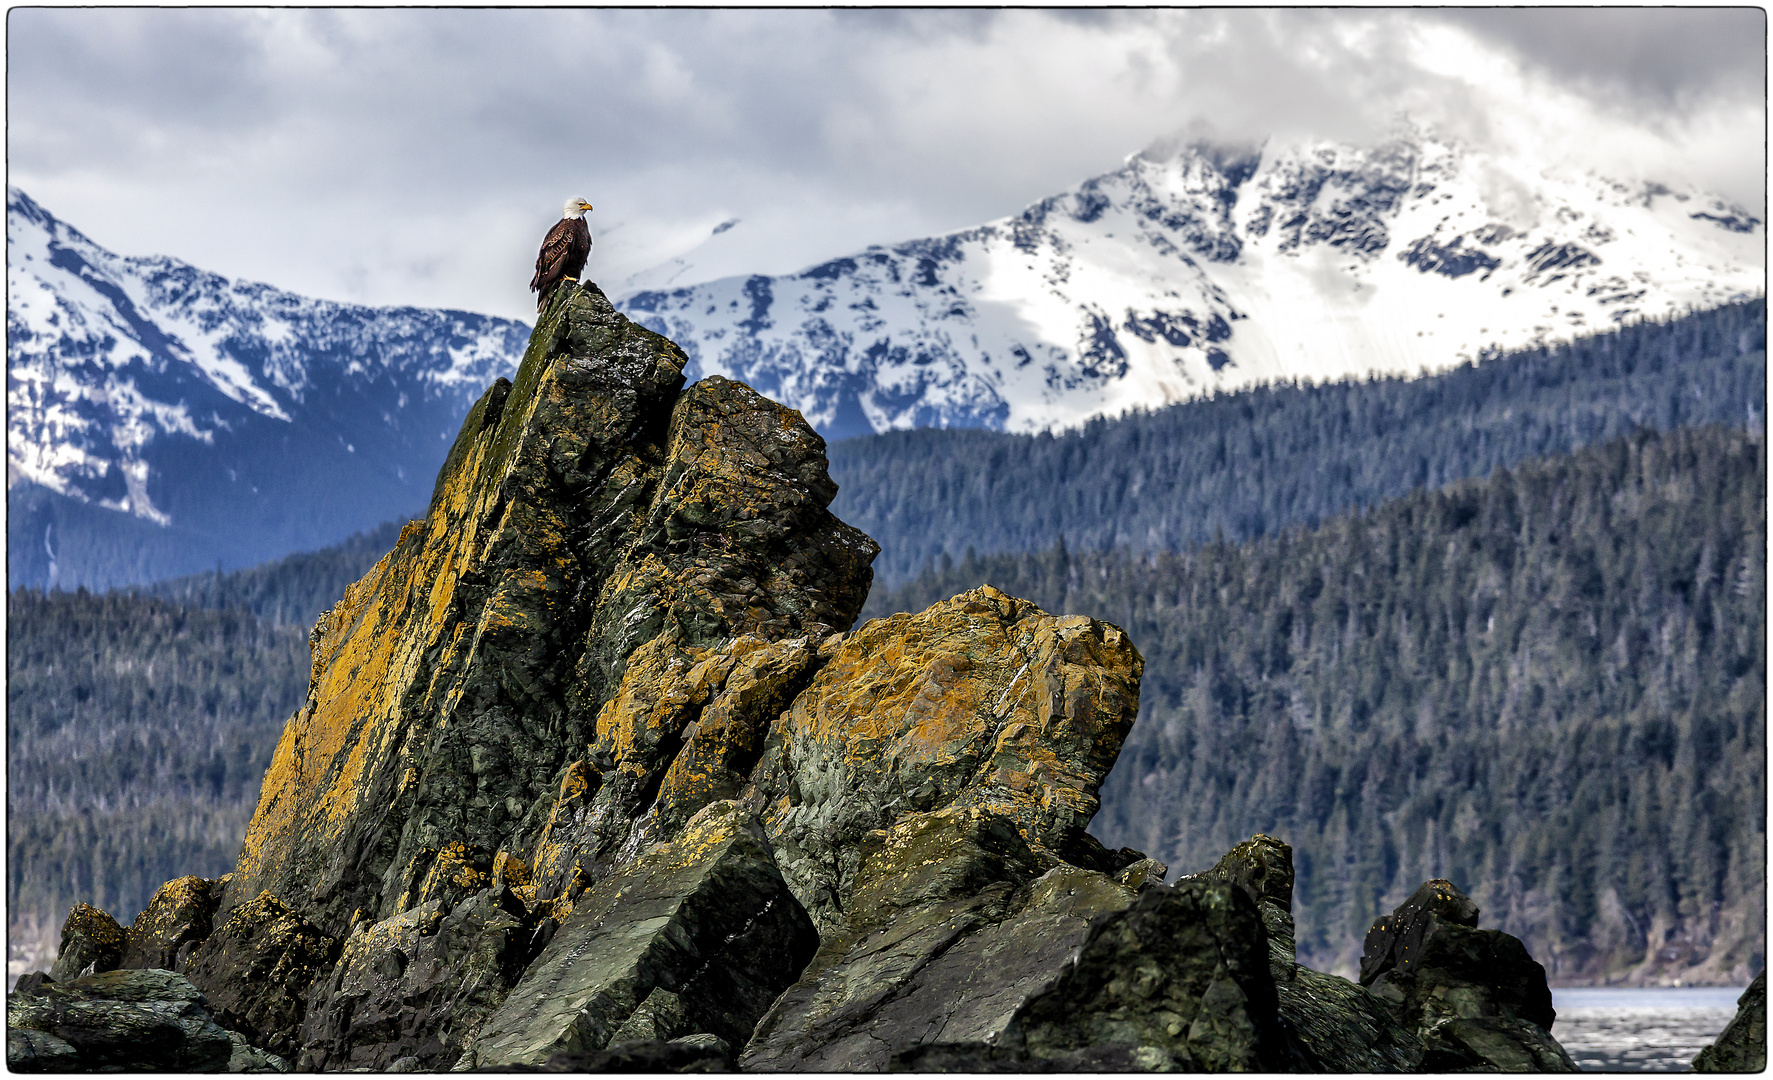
{"x": 293, "y": 590}
{"x": 1249, "y": 464}
{"x": 1548, "y": 686}
{"x": 137, "y": 732}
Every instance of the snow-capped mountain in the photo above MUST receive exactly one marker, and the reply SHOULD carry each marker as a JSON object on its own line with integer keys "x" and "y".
{"x": 1198, "y": 268}
{"x": 244, "y": 421}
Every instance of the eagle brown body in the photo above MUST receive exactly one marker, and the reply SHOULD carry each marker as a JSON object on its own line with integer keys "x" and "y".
{"x": 563, "y": 253}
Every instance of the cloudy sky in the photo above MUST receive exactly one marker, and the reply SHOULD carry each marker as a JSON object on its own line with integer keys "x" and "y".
{"x": 417, "y": 156}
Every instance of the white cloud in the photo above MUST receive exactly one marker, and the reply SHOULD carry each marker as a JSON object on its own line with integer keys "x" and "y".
{"x": 416, "y": 156}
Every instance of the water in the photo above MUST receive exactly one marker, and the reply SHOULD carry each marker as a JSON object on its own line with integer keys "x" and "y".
{"x": 1619, "y": 1029}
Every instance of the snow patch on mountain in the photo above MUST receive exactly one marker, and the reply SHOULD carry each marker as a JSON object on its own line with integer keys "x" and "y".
{"x": 1198, "y": 268}
{"x": 109, "y": 357}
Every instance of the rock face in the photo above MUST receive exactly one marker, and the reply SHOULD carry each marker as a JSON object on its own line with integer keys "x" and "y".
{"x": 592, "y": 775}
{"x": 173, "y": 925}
{"x": 91, "y": 942}
{"x": 129, "y": 1021}
{"x": 585, "y": 511}
{"x": 590, "y": 518}
{"x": 1474, "y": 996}
{"x": 697, "y": 936}
{"x": 587, "y": 759}
{"x": 982, "y": 701}
{"x": 1742, "y": 1045}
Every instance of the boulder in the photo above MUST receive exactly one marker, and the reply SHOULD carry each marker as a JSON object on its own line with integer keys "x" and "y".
{"x": 1334, "y": 1024}
{"x": 173, "y": 925}
{"x": 1475, "y": 997}
{"x": 982, "y": 701}
{"x": 1182, "y": 969}
{"x": 255, "y": 970}
{"x": 1742, "y": 1045}
{"x": 115, "y": 1021}
{"x": 91, "y": 942}
{"x": 706, "y": 918}
{"x": 948, "y": 932}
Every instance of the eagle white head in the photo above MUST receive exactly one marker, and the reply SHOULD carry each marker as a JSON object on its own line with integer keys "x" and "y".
{"x": 575, "y": 208}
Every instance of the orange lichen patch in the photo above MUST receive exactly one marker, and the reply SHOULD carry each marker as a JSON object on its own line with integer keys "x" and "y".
{"x": 917, "y": 698}
{"x": 550, "y": 855}
{"x": 459, "y": 869}
{"x": 660, "y": 692}
{"x": 982, "y": 701}
{"x": 509, "y": 869}
{"x": 727, "y": 736}
{"x": 367, "y": 651}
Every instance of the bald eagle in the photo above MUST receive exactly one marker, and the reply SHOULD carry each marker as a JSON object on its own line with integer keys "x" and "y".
{"x": 563, "y": 253}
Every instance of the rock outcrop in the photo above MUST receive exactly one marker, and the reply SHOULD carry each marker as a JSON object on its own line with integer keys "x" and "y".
{"x": 1333, "y": 1024}
{"x": 91, "y": 942}
{"x": 592, "y": 774}
{"x": 123, "y": 1021}
{"x": 1742, "y": 1045}
{"x": 696, "y": 937}
{"x": 1475, "y": 997}
{"x": 174, "y": 925}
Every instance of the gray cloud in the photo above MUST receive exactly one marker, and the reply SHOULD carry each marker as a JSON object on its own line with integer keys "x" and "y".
{"x": 410, "y": 155}
{"x": 1668, "y": 59}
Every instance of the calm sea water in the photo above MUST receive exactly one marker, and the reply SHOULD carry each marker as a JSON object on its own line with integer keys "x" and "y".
{"x": 1630, "y": 1030}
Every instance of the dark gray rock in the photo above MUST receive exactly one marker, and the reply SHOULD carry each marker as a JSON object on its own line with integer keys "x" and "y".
{"x": 1337, "y": 1026}
{"x": 1742, "y": 1045}
{"x": 1183, "y": 970}
{"x": 946, "y": 941}
{"x": 657, "y": 1019}
{"x": 1476, "y": 998}
{"x": 174, "y": 925}
{"x": 706, "y": 917}
{"x": 129, "y": 1021}
{"x": 419, "y": 985}
{"x": 1334, "y": 1024}
{"x": 247, "y": 1058}
{"x": 1492, "y": 1044}
{"x": 675, "y": 1056}
{"x": 1395, "y": 940}
{"x": 39, "y": 1051}
{"x": 91, "y": 942}
{"x": 256, "y": 969}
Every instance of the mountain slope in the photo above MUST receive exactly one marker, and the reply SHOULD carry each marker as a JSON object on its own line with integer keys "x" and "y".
{"x": 1548, "y": 686}
{"x": 1196, "y": 269}
{"x": 162, "y": 419}
{"x": 1251, "y": 463}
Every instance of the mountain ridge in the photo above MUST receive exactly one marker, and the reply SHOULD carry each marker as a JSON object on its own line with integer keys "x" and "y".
{"x": 1197, "y": 268}
{"x": 178, "y": 397}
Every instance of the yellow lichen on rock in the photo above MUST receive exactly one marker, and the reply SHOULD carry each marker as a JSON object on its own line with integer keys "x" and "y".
{"x": 981, "y": 701}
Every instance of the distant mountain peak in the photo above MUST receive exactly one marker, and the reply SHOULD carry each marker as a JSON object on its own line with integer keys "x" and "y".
{"x": 1205, "y": 264}
{"x": 179, "y": 397}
